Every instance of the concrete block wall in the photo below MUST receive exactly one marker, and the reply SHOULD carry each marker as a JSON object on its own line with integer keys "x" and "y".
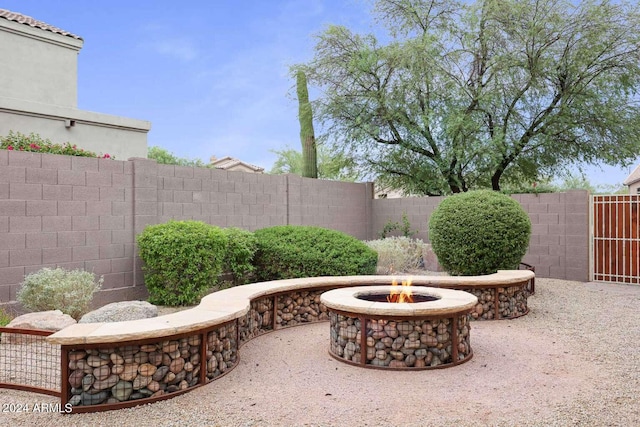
{"x": 77, "y": 212}
{"x": 73, "y": 212}
{"x": 559, "y": 245}
{"x": 341, "y": 206}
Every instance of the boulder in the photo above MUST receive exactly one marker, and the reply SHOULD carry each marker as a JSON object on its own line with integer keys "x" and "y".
{"x": 52, "y": 320}
{"x": 120, "y": 311}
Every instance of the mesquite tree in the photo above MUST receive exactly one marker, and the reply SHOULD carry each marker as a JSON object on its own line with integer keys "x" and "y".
{"x": 466, "y": 95}
{"x": 307, "y": 137}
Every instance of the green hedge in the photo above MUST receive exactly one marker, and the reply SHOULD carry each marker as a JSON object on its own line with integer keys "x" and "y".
{"x": 241, "y": 248}
{"x": 479, "y": 232}
{"x": 182, "y": 260}
{"x": 291, "y": 251}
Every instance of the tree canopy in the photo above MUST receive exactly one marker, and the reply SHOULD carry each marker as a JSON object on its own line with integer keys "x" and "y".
{"x": 331, "y": 165}
{"x": 164, "y": 157}
{"x": 463, "y": 95}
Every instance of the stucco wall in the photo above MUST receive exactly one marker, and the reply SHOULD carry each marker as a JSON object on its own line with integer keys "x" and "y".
{"x": 38, "y": 93}
{"x": 38, "y": 65}
{"x": 102, "y": 133}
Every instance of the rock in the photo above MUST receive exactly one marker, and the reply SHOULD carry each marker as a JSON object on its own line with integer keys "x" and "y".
{"x": 75, "y": 400}
{"x": 141, "y": 382}
{"x": 75, "y": 379}
{"x": 176, "y": 365}
{"x": 111, "y": 381}
{"x": 120, "y": 311}
{"x": 52, "y": 320}
{"x": 147, "y": 369}
{"x": 94, "y": 399}
{"x": 160, "y": 373}
{"x": 87, "y": 382}
{"x": 122, "y": 390}
{"x": 116, "y": 359}
{"x": 96, "y": 361}
{"x": 130, "y": 371}
{"x": 102, "y": 373}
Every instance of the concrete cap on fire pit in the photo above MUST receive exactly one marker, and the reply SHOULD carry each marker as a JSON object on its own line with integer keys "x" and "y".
{"x": 448, "y": 301}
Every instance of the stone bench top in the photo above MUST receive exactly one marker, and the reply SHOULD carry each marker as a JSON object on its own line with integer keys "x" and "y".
{"x": 230, "y": 304}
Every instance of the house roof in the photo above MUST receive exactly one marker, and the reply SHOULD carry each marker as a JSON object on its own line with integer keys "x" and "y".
{"x": 633, "y": 176}
{"x": 27, "y": 20}
{"x": 230, "y": 162}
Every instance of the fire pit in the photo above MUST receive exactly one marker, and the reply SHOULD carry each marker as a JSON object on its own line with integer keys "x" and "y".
{"x": 404, "y": 327}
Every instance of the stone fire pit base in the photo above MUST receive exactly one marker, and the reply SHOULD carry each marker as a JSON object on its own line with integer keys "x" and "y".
{"x": 434, "y": 334}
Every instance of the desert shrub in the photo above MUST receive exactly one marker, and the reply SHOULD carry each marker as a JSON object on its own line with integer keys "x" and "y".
{"x": 35, "y": 143}
{"x": 291, "y": 251}
{"x": 182, "y": 260}
{"x": 241, "y": 248}
{"x": 404, "y": 228}
{"x": 69, "y": 291}
{"x": 397, "y": 254}
{"x": 479, "y": 232}
{"x": 5, "y": 318}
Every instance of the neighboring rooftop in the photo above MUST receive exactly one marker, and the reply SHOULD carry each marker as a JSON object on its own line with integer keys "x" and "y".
{"x": 27, "y": 20}
{"x": 233, "y": 164}
{"x": 633, "y": 176}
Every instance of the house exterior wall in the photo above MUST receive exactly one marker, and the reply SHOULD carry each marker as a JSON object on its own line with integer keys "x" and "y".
{"x": 37, "y": 65}
{"x": 634, "y": 188}
{"x": 102, "y": 133}
{"x": 78, "y": 212}
{"x": 38, "y": 92}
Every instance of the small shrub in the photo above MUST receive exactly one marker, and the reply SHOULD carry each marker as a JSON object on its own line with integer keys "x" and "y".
{"x": 404, "y": 228}
{"x": 35, "y": 143}
{"x": 182, "y": 260}
{"x": 241, "y": 248}
{"x": 479, "y": 232}
{"x": 5, "y": 318}
{"x": 291, "y": 251}
{"x": 58, "y": 289}
{"x": 397, "y": 254}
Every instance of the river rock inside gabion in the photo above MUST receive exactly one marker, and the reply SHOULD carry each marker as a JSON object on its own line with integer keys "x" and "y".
{"x": 300, "y": 307}
{"x": 132, "y": 372}
{"x": 222, "y": 350}
{"x": 258, "y": 320}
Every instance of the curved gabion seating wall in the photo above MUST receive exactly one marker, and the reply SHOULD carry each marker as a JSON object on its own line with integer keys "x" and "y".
{"x": 122, "y": 364}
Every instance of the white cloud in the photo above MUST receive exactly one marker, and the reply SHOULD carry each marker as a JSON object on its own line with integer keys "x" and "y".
{"x": 179, "y": 48}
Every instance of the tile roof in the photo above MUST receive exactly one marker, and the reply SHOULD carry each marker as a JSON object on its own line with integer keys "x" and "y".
{"x": 229, "y": 162}
{"x": 633, "y": 176}
{"x": 27, "y": 20}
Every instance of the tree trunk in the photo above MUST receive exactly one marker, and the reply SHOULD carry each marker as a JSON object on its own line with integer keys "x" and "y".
{"x": 307, "y": 137}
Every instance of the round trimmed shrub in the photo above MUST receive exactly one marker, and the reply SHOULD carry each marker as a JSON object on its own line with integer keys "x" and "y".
{"x": 290, "y": 251}
{"x": 479, "y": 232}
{"x": 182, "y": 260}
{"x": 69, "y": 291}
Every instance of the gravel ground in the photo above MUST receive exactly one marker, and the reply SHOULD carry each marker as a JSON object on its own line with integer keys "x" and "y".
{"x": 574, "y": 360}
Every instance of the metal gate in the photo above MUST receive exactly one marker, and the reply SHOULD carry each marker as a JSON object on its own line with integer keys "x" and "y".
{"x": 615, "y": 242}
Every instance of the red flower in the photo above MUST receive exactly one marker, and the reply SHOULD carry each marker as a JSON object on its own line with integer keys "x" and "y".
{"x": 10, "y": 147}
{"x": 106, "y": 156}
{"x": 21, "y": 148}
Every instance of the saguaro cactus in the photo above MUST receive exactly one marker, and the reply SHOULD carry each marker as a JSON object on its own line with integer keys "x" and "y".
{"x": 307, "y": 137}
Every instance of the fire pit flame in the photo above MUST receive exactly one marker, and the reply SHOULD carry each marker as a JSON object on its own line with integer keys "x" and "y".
{"x": 400, "y": 294}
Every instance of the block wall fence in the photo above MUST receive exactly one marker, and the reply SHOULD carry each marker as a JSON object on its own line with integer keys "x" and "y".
{"x": 78, "y": 212}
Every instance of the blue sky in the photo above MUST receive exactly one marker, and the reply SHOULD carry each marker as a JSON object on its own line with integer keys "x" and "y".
{"x": 211, "y": 76}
